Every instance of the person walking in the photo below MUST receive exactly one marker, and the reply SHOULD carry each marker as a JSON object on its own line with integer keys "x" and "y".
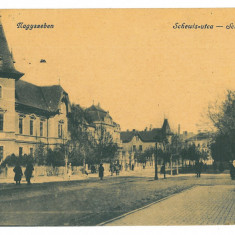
{"x": 18, "y": 173}
{"x": 70, "y": 170}
{"x": 132, "y": 167}
{"x": 29, "y": 172}
{"x": 101, "y": 171}
{"x": 111, "y": 168}
{"x": 198, "y": 168}
{"x": 163, "y": 170}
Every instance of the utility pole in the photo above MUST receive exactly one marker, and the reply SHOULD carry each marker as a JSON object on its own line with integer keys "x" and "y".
{"x": 156, "y": 173}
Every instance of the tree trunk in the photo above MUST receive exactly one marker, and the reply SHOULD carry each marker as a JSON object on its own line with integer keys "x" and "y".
{"x": 171, "y": 165}
{"x": 177, "y": 167}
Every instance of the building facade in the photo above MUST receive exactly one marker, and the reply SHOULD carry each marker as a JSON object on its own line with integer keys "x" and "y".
{"x": 29, "y": 114}
{"x": 139, "y": 141}
{"x": 202, "y": 141}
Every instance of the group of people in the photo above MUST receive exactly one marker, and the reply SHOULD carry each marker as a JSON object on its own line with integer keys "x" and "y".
{"x": 115, "y": 168}
{"x": 28, "y": 173}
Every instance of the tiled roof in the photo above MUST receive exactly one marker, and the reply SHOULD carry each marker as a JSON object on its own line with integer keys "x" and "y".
{"x": 126, "y": 136}
{"x": 146, "y": 136}
{"x": 154, "y": 135}
{"x": 7, "y": 68}
{"x": 45, "y": 98}
{"x": 151, "y": 136}
{"x": 95, "y": 113}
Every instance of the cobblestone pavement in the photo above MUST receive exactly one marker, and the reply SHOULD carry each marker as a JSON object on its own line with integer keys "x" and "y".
{"x": 202, "y": 205}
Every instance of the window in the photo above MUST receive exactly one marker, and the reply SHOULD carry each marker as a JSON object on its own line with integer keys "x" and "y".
{"x": 1, "y": 153}
{"x": 21, "y": 125}
{"x": 137, "y": 138}
{"x": 31, "y": 152}
{"x": 134, "y": 147}
{"x": 0, "y": 92}
{"x": 41, "y": 128}
{"x": 60, "y": 130}
{"x": 31, "y": 127}
{"x": 20, "y": 151}
{"x": 1, "y": 122}
{"x": 140, "y": 148}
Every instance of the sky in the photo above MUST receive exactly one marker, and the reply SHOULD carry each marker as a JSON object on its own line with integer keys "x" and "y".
{"x": 131, "y": 61}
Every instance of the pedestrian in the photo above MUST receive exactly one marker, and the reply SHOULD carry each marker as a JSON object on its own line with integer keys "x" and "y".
{"x": 232, "y": 171}
{"x": 101, "y": 171}
{"x": 132, "y": 167}
{"x": 198, "y": 168}
{"x": 70, "y": 170}
{"x": 18, "y": 173}
{"x": 117, "y": 169}
{"x": 93, "y": 169}
{"x": 111, "y": 168}
{"x": 29, "y": 172}
{"x": 6, "y": 170}
{"x": 163, "y": 170}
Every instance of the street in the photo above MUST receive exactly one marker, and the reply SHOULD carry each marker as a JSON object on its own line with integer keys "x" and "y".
{"x": 91, "y": 201}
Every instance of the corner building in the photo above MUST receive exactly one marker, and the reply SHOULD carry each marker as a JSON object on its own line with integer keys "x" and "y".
{"x": 29, "y": 114}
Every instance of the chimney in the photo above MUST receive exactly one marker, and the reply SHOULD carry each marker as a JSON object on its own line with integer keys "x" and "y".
{"x": 150, "y": 127}
{"x": 178, "y": 129}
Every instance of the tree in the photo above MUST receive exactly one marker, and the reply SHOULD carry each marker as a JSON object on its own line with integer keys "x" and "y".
{"x": 40, "y": 154}
{"x": 81, "y": 144}
{"x": 55, "y": 157}
{"x": 223, "y": 119}
{"x": 193, "y": 153}
{"x": 105, "y": 148}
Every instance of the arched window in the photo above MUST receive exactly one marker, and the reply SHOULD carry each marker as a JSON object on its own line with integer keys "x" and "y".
{"x": 0, "y": 92}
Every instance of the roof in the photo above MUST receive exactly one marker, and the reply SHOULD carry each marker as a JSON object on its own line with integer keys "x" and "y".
{"x": 154, "y": 135}
{"x": 95, "y": 113}
{"x": 146, "y": 136}
{"x": 126, "y": 136}
{"x": 7, "y": 68}
{"x": 46, "y": 98}
{"x": 199, "y": 136}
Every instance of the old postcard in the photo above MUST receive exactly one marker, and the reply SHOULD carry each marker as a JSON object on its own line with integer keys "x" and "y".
{"x": 117, "y": 117}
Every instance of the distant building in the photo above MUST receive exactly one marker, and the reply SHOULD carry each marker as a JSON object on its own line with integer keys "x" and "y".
{"x": 202, "y": 141}
{"x": 29, "y": 114}
{"x": 98, "y": 118}
{"x": 134, "y": 141}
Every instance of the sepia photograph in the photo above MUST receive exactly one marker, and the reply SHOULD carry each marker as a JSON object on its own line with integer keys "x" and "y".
{"x": 117, "y": 117}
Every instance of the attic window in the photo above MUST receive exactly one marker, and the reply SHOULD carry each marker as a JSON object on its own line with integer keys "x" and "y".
{"x": 61, "y": 121}
{"x": 32, "y": 117}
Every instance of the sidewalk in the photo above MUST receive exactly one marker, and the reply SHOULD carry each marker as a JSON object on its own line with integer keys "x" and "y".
{"x": 139, "y": 172}
{"x": 148, "y": 172}
{"x": 202, "y": 205}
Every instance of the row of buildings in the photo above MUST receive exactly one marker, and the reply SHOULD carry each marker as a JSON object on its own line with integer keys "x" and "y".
{"x": 31, "y": 114}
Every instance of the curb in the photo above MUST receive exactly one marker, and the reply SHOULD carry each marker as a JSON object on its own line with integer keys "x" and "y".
{"x": 141, "y": 208}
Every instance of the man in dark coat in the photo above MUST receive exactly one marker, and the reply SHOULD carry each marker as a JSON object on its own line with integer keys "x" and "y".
{"x": 101, "y": 171}
{"x": 18, "y": 173}
{"x": 28, "y": 172}
{"x": 198, "y": 168}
